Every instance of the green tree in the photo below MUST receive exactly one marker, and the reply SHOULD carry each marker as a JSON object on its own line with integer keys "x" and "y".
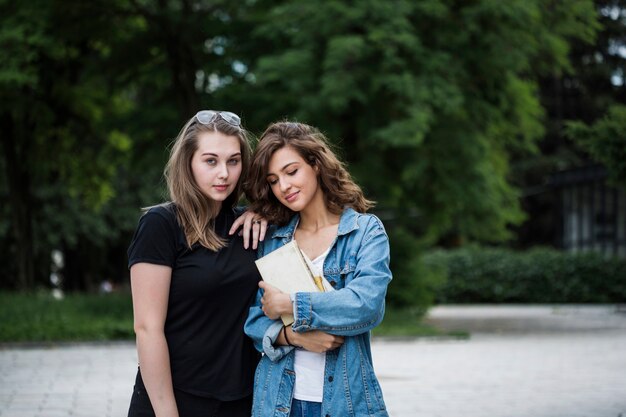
{"x": 429, "y": 100}
{"x": 598, "y": 126}
{"x": 60, "y": 156}
{"x": 605, "y": 141}
{"x": 92, "y": 94}
{"x": 582, "y": 91}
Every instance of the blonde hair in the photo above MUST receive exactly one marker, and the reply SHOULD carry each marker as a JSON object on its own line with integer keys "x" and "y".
{"x": 194, "y": 210}
{"x": 338, "y": 188}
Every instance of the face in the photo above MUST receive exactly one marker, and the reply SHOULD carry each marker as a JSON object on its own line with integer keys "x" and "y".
{"x": 292, "y": 180}
{"x": 216, "y": 164}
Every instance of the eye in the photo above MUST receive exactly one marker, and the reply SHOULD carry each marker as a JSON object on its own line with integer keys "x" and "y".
{"x": 272, "y": 181}
{"x": 292, "y": 173}
{"x": 234, "y": 161}
{"x": 211, "y": 161}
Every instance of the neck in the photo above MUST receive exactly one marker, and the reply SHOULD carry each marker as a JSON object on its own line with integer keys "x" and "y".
{"x": 316, "y": 215}
{"x": 217, "y": 207}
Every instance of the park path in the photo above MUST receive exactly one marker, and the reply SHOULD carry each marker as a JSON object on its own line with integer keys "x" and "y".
{"x": 520, "y": 361}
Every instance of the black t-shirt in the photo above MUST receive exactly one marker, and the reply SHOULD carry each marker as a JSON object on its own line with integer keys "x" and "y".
{"x": 210, "y": 294}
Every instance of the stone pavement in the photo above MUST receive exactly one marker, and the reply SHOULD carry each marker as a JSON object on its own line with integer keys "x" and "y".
{"x": 520, "y": 361}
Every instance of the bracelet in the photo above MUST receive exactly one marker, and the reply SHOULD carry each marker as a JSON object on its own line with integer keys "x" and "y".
{"x": 285, "y": 336}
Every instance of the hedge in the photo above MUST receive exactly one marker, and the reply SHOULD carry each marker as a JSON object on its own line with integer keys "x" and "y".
{"x": 38, "y": 317}
{"x": 541, "y": 275}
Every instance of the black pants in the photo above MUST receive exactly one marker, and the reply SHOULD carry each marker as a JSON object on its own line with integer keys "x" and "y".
{"x": 190, "y": 405}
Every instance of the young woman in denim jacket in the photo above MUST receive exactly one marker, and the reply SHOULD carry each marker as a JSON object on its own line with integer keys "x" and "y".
{"x": 321, "y": 365}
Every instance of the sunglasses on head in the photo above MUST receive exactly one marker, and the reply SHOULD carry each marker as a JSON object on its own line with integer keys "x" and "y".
{"x": 207, "y": 116}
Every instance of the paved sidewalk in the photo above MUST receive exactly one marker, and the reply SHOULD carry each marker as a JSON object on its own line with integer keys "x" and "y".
{"x": 519, "y": 362}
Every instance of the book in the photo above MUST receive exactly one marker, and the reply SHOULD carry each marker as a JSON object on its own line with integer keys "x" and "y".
{"x": 286, "y": 269}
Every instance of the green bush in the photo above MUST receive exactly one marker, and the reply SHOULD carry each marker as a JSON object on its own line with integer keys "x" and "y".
{"x": 413, "y": 284}
{"x": 39, "y": 317}
{"x": 541, "y": 275}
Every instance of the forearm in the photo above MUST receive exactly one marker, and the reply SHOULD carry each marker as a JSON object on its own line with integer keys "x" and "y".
{"x": 154, "y": 363}
{"x": 360, "y": 305}
{"x": 264, "y": 332}
{"x": 257, "y": 324}
{"x": 281, "y": 339}
{"x": 313, "y": 341}
{"x": 345, "y": 312}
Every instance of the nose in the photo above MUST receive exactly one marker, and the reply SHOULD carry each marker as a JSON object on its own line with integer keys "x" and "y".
{"x": 284, "y": 185}
{"x": 223, "y": 171}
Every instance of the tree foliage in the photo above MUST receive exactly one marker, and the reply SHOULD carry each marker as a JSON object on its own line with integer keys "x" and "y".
{"x": 428, "y": 101}
{"x": 599, "y": 128}
{"x": 584, "y": 91}
{"x": 605, "y": 141}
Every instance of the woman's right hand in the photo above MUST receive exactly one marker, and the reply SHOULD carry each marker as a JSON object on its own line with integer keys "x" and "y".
{"x": 315, "y": 340}
{"x": 253, "y": 227}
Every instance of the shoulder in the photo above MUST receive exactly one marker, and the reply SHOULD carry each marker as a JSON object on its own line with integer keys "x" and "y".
{"x": 165, "y": 210}
{"x": 157, "y": 237}
{"x": 163, "y": 214}
{"x": 369, "y": 220}
{"x": 271, "y": 231}
{"x": 277, "y": 235}
{"x": 272, "y": 241}
{"x": 239, "y": 210}
{"x": 370, "y": 225}
{"x": 361, "y": 224}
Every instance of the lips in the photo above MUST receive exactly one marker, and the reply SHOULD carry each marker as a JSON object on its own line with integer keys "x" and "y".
{"x": 291, "y": 197}
{"x": 223, "y": 187}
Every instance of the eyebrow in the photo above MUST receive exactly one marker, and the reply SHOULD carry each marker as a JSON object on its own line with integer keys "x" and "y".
{"x": 214, "y": 154}
{"x": 283, "y": 168}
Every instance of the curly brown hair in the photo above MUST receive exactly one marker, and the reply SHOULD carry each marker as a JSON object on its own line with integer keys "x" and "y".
{"x": 339, "y": 189}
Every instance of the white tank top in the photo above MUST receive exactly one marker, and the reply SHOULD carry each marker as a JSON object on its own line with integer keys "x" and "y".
{"x": 309, "y": 366}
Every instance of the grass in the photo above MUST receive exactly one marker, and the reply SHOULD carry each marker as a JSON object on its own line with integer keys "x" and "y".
{"x": 39, "y": 317}
{"x": 77, "y": 317}
{"x": 407, "y": 322}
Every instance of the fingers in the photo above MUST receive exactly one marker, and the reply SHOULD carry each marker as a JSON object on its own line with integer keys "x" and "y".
{"x": 269, "y": 312}
{"x": 259, "y": 227}
{"x": 253, "y": 229}
{"x": 334, "y": 343}
{"x": 338, "y": 340}
{"x": 245, "y": 222}
{"x": 262, "y": 230}
{"x": 256, "y": 228}
{"x": 267, "y": 287}
{"x": 236, "y": 224}
{"x": 318, "y": 341}
{"x": 247, "y": 226}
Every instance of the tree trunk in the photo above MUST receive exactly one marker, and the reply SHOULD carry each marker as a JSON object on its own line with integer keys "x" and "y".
{"x": 183, "y": 72}
{"x": 18, "y": 183}
{"x": 180, "y": 59}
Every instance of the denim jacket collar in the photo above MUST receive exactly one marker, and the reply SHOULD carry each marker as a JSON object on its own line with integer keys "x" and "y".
{"x": 347, "y": 223}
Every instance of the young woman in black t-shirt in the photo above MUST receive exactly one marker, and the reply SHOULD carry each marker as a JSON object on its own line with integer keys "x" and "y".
{"x": 193, "y": 280}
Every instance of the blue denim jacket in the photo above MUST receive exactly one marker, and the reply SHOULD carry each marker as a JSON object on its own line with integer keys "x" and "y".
{"x": 357, "y": 266}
